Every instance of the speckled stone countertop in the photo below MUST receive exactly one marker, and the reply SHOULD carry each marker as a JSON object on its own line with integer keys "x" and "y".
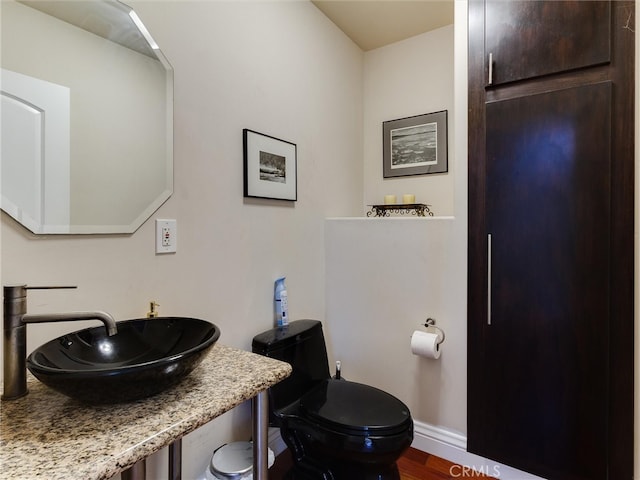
{"x": 50, "y": 436}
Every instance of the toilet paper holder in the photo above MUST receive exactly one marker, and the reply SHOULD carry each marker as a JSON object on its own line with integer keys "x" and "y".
{"x": 430, "y": 325}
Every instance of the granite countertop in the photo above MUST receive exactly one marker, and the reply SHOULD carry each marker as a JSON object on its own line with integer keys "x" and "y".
{"x": 50, "y": 436}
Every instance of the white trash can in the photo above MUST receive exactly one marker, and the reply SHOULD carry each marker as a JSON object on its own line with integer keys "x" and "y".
{"x": 234, "y": 461}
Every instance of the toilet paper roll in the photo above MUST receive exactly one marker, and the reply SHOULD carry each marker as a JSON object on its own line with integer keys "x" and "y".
{"x": 425, "y": 344}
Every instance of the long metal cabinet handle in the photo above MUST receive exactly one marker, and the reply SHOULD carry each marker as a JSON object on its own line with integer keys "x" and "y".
{"x": 491, "y": 69}
{"x": 489, "y": 279}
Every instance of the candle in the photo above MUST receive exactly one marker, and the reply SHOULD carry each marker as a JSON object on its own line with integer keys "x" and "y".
{"x": 389, "y": 199}
{"x": 408, "y": 198}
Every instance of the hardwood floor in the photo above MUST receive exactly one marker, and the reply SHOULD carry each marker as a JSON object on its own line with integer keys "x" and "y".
{"x": 413, "y": 465}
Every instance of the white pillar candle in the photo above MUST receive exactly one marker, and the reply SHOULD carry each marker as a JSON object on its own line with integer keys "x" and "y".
{"x": 408, "y": 198}
{"x": 389, "y": 199}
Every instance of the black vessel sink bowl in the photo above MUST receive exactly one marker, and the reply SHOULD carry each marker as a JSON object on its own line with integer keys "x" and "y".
{"x": 145, "y": 357}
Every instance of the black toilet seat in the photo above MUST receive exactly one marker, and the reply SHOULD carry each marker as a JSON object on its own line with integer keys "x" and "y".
{"x": 355, "y": 409}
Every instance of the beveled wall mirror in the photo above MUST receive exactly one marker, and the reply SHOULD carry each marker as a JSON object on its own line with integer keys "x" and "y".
{"x": 87, "y": 117}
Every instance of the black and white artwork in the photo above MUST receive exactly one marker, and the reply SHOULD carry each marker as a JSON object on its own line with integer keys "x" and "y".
{"x": 273, "y": 168}
{"x": 415, "y": 145}
{"x": 270, "y": 167}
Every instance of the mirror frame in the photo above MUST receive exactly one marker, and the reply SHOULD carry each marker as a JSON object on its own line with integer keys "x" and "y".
{"x": 142, "y": 42}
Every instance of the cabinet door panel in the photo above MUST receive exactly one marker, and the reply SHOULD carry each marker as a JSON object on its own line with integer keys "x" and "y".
{"x": 551, "y": 169}
{"x": 548, "y": 213}
{"x": 528, "y": 39}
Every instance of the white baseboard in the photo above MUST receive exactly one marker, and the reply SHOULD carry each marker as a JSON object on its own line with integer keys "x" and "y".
{"x": 442, "y": 443}
{"x": 452, "y": 446}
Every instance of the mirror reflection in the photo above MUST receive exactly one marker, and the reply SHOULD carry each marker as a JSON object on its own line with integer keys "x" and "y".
{"x": 87, "y": 117}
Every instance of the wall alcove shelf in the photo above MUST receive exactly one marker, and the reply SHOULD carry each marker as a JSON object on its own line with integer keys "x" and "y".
{"x": 417, "y": 209}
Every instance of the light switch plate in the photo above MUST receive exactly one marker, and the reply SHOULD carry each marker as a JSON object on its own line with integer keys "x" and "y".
{"x": 166, "y": 236}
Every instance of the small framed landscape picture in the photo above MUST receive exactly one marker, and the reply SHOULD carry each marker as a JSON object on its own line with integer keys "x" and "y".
{"x": 415, "y": 145}
{"x": 270, "y": 167}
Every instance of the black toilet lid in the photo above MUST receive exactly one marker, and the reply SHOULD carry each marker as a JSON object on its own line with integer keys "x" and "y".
{"x": 355, "y": 408}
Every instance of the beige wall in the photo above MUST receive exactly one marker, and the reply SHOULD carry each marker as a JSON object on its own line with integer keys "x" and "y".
{"x": 384, "y": 278}
{"x": 408, "y": 78}
{"x": 283, "y": 69}
{"x": 280, "y": 68}
{"x": 388, "y": 275}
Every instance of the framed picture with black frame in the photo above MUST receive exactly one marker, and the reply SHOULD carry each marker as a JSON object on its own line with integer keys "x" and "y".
{"x": 270, "y": 167}
{"x": 415, "y": 145}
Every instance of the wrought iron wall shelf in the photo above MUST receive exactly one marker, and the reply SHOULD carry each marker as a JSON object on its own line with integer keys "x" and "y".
{"x": 416, "y": 209}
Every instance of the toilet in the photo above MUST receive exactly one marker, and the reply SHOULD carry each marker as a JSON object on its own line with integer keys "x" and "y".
{"x": 335, "y": 429}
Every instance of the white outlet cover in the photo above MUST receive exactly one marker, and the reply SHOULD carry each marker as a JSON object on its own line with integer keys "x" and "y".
{"x": 166, "y": 236}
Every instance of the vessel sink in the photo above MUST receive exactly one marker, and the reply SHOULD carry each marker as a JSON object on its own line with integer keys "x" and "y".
{"x": 145, "y": 357}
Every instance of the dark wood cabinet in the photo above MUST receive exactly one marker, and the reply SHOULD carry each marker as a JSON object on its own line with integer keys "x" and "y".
{"x": 525, "y": 39}
{"x": 550, "y": 297}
